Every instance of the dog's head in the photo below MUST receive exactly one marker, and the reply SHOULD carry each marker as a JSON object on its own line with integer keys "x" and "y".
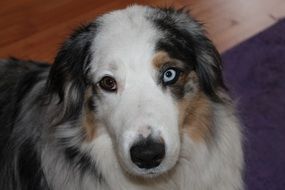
{"x": 147, "y": 76}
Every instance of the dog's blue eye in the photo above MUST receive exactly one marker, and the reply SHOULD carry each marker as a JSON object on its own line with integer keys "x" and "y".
{"x": 170, "y": 76}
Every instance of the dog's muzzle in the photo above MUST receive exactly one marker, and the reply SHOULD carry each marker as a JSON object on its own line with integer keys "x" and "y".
{"x": 147, "y": 153}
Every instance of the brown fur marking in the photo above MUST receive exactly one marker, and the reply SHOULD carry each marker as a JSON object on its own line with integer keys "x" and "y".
{"x": 160, "y": 59}
{"x": 89, "y": 121}
{"x": 196, "y": 117}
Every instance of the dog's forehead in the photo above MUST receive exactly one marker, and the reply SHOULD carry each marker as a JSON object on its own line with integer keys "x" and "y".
{"x": 125, "y": 36}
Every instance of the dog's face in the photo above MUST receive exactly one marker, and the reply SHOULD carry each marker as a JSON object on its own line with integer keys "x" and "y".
{"x": 151, "y": 73}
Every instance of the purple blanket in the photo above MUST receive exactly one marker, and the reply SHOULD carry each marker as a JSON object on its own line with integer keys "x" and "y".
{"x": 254, "y": 72}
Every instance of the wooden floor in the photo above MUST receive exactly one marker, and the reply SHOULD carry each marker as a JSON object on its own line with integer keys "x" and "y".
{"x": 34, "y": 29}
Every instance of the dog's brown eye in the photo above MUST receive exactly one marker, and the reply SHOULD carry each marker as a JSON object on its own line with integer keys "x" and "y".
{"x": 108, "y": 83}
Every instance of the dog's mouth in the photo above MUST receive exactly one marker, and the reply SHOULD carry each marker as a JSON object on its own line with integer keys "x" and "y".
{"x": 151, "y": 173}
{"x": 136, "y": 171}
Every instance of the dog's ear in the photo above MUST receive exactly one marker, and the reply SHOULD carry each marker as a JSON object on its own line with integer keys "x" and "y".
{"x": 208, "y": 64}
{"x": 68, "y": 77}
{"x": 208, "y": 67}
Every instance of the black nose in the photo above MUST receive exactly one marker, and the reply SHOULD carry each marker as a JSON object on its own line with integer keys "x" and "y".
{"x": 147, "y": 153}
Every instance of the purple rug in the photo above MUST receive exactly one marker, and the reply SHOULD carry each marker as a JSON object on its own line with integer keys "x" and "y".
{"x": 254, "y": 71}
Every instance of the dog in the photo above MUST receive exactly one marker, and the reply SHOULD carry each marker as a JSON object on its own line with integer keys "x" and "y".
{"x": 134, "y": 100}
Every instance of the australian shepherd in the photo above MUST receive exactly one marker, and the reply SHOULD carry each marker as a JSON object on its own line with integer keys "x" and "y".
{"x": 133, "y": 101}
